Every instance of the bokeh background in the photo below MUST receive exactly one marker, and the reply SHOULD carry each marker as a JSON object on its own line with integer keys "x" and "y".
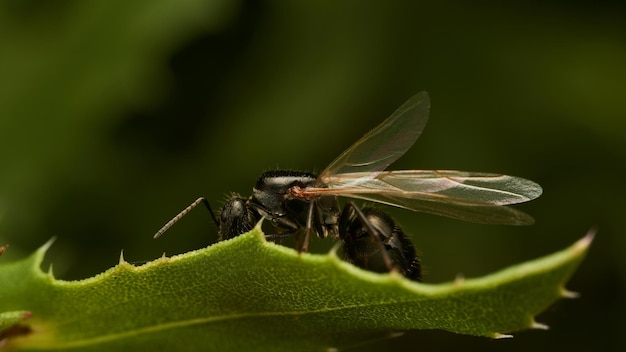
{"x": 115, "y": 115}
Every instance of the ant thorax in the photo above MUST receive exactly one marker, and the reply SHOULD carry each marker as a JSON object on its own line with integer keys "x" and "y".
{"x": 276, "y": 198}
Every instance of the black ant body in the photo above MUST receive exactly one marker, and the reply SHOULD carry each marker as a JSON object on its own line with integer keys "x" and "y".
{"x": 296, "y": 201}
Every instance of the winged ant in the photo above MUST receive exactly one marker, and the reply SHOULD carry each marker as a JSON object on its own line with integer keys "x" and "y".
{"x": 295, "y": 202}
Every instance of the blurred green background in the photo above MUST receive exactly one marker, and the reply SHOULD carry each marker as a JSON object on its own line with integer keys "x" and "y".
{"x": 115, "y": 115}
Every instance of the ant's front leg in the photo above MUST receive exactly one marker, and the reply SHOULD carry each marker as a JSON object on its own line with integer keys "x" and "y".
{"x": 308, "y": 228}
{"x": 278, "y": 236}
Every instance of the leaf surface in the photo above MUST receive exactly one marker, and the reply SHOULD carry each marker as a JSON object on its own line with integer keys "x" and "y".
{"x": 248, "y": 294}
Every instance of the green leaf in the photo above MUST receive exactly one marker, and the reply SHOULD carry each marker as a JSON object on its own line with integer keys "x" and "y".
{"x": 8, "y": 319}
{"x": 248, "y": 294}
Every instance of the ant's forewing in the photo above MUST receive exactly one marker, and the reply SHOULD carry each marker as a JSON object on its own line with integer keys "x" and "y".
{"x": 470, "y": 196}
{"x": 445, "y": 186}
{"x": 386, "y": 143}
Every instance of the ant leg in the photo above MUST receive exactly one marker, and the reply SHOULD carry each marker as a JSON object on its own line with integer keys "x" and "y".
{"x": 208, "y": 206}
{"x": 373, "y": 233}
{"x": 278, "y": 236}
{"x": 183, "y": 213}
{"x": 309, "y": 228}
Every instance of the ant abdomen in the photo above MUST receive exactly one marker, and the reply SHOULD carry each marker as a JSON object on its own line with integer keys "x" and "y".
{"x": 387, "y": 249}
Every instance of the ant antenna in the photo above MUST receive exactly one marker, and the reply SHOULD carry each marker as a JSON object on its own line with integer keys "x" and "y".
{"x": 183, "y": 213}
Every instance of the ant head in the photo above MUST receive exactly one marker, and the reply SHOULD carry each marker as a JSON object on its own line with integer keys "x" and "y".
{"x": 236, "y": 218}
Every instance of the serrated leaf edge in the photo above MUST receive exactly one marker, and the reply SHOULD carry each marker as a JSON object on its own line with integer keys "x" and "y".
{"x": 500, "y": 277}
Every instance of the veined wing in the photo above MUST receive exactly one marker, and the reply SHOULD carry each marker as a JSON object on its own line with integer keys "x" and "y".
{"x": 448, "y": 186}
{"x": 387, "y": 142}
{"x": 469, "y": 196}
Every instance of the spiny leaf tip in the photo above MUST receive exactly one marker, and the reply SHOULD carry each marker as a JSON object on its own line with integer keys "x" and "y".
{"x": 43, "y": 249}
{"x": 334, "y": 250}
{"x": 502, "y": 336}
{"x": 585, "y": 242}
{"x": 539, "y": 326}
{"x": 565, "y": 293}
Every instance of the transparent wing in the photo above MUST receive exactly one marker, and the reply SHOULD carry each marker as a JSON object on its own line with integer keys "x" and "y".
{"x": 387, "y": 142}
{"x": 469, "y": 196}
